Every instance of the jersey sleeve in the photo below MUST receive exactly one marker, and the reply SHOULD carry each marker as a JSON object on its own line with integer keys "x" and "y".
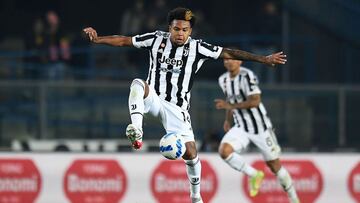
{"x": 251, "y": 84}
{"x": 209, "y": 50}
{"x": 144, "y": 40}
{"x": 221, "y": 84}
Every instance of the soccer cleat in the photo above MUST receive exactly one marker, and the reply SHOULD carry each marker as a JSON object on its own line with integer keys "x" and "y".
{"x": 134, "y": 135}
{"x": 255, "y": 183}
{"x": 295, "y": 200}
{"x": 196, "y": 200}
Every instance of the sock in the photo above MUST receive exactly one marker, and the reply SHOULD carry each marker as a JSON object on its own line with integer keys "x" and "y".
{"x": 238, "y": 163}
{"x": 193, "y": 170}
{"x": 286, "y": 182}
{"x": 136, "y": 102}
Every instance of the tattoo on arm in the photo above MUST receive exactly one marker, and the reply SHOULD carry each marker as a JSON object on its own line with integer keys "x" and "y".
{"x": 241, "y": 55}
{"x": 251, "y": 102}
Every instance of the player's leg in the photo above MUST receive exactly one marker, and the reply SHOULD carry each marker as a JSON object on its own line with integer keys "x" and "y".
{"x": 193, "y": 170}
{"x": 232, "y": 144}
{"x": 284, "y": 178}
{"x": 139, "y": 90}
{"x": 270, "y": 150}
{"x": 178, "y": 120}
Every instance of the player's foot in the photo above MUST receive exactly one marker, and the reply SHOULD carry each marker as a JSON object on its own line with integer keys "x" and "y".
{"x": 295, "y": 200}
{"x": 255, "y": 183}
{"x": 134, "y": 135}
{"x": 196, "y": 200}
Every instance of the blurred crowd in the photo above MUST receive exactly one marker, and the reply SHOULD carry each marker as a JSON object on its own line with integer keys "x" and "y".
{"x": 52, "y": 51}
{"x": 56, "y": 54}
{"x": 53, "y": 48}
{"x": 43, "y": 40}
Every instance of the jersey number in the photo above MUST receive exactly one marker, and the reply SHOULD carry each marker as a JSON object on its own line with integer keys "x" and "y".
{"x": 186, "y": 118}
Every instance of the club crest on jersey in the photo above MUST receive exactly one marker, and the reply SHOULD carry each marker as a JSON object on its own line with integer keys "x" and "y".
{"x": 171, "y": 61}
{"x": 186, "y": 52}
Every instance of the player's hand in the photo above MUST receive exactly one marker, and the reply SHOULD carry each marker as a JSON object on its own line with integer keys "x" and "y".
{"x": 227, "y": 126}
{"x": 222, "y": 104}
{"x": 91, "y": 33}
{"x": 274, "y": 59}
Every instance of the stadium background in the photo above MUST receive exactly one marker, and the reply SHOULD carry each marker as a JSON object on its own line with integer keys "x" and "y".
{"x": 78, "y": 101}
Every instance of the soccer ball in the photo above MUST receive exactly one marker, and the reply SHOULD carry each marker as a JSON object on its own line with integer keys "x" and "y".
{"x": 172, "y": 146}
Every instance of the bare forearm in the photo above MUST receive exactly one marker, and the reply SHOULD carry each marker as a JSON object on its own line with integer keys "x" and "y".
{"x": 114, "y": 40}
{"x": 228, "y": 116}
{"x": 245, "y": 104}
{"x": 241, "y": 55}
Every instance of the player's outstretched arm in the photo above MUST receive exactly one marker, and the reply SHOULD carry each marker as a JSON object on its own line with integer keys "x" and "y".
{"x": 115, "y": 40}
{"x": 272, "y": 60}
{"x": 251, "y": 102}
{"x": 228, "y": 120}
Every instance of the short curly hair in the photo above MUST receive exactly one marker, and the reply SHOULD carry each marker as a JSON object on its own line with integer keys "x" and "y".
{"x": 181, "y": 13}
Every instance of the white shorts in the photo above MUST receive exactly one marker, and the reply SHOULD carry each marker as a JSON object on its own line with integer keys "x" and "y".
{"x": 173, "y": 118}
{"x": 265, "y": 141}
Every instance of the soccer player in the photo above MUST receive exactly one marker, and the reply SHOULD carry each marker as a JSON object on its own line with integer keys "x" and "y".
{"x": 251, "y": 124}
{"x": 175, "y": 58}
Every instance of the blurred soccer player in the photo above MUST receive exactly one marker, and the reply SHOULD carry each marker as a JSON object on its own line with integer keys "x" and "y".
{"x": 175, "y": 58}
{"x": 251, "y": 124}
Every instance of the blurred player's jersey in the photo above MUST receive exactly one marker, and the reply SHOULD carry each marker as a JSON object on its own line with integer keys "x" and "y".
{"x": 236, "y": 90}
{"x": 172, "y": 68}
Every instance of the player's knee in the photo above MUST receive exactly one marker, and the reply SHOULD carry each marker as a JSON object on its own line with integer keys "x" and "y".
{"x": 139, "y": 85}
{"x": 225, "y": 150}
{"x": 191, "y": 151}
{"x": 274, "y": 165}
{"x": 139, "y": 82}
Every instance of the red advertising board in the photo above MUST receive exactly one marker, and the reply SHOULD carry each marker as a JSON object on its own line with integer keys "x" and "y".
{"x": 169, "y": 182}
{"x": 306, "y": 177}
{"x": 20, "y": 181}
{"x": 95, "y": 181}
{"x": 354, "y": 182}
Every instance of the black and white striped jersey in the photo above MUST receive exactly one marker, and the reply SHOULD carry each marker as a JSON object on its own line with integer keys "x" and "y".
{"x": 172, "y": 68}
{"x": 236, "y": 90}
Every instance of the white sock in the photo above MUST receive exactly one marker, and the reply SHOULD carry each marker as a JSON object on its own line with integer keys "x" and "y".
{"x": 136, "y": 102}
{"x": 193, "y": 170}
{"x": 286, "y": 182}
{"x": 238, "y": 163}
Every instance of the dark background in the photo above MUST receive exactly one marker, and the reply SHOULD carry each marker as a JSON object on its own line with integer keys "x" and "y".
{"x": 312, "y": 100}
